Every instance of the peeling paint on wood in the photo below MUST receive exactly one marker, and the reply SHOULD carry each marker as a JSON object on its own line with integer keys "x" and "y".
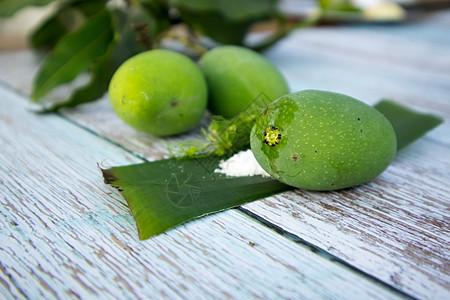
{"x": 64, "y": 233}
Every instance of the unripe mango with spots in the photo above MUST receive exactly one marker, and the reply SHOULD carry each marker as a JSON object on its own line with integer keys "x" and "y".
{"x": 236, "y": 76}
{"x": 320, "y": 140}
{"x": 159, "y": 92}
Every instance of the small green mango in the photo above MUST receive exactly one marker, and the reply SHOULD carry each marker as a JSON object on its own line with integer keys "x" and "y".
{"x": 236, "y": 76}
{"x": 320, "y": 140}
{"x": 160, "y": 92}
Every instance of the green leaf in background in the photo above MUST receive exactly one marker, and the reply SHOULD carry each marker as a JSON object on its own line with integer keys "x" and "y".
{"x": 102, "y": 72}
{"x": 338, "y": 5}
{"x": 231, "y": 9}
{"x": 65, "y": 19}
{"x": 74, "y": 54}
{"x": 409, "y": 125}
{"x": 124, "y": 45}
{"x": 225, "y": 22}
{"x": 10, "y": 7}
{"x": 352, "y": 11}
{"x": 81, "y": 38}
{"x": 167, "y": 193}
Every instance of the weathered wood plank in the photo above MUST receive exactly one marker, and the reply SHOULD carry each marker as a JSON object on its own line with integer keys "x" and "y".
{"x": 398, "y": 226}
{"x": 65, "y": 234}
{"x": 366, "y": 66}
{"x": 395, "y": 228}
{"x": 17, "y": 69}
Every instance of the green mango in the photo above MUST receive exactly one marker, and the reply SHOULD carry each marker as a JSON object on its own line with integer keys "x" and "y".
{"x": 236, "y": 76}
{"x": 319, "y": 140}
{"x": 160, "y": 92}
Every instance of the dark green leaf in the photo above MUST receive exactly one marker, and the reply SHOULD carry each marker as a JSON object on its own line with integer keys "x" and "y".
{"x": 167, "y": 193}
{"x": 74, "y": 54}
{"x": 159, "y": 10}
{"x": 101, "y": 74}
{"x": 235, "y": 10}
{"x": 66, "y": 18}
{"x": 218, "y": 28}
{"x": 10, "y": 7}
{"x": 141, "y": 26}
{"x": 409, "y": 125}
{"x": 124, "y": 45}
{"x": 225, "y": 21}
{"x": 49, "y": 33}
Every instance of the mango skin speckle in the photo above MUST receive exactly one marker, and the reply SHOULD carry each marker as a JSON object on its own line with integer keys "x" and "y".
{"x": 329, "y": 141}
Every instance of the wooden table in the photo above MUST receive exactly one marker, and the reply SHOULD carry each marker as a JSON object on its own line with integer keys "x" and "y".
{"x": 65, "y": 234}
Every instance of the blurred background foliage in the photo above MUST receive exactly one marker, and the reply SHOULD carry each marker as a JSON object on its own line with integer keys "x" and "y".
{"x": 94, "y": 37}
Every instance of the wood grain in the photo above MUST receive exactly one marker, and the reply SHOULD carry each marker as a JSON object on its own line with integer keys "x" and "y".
{"x": 398, "y": 226}
{"x": 65, "y": 234}
{"x": 395, "y": 228}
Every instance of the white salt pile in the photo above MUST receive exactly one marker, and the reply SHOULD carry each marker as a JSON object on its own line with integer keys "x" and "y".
{"x": 241, "y": 164}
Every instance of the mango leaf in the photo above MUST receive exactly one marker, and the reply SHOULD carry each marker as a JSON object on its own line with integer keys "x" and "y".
{"x": 231, "y": 9}
{"x": 409, "y": 125}
{"x": 122, "y": 47}
{"x": 50, "y": 32}
{"x": 10, "y": 7}
{"x": 225, "y": 21}
{"x": 74, "y": 54}
{"x": 159, "y": 10}
{"x": 67, "y": 17}
{"x": 101, "y": 74}
{"x": 167, "y": 193}
{"x": 216, "y": 27}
